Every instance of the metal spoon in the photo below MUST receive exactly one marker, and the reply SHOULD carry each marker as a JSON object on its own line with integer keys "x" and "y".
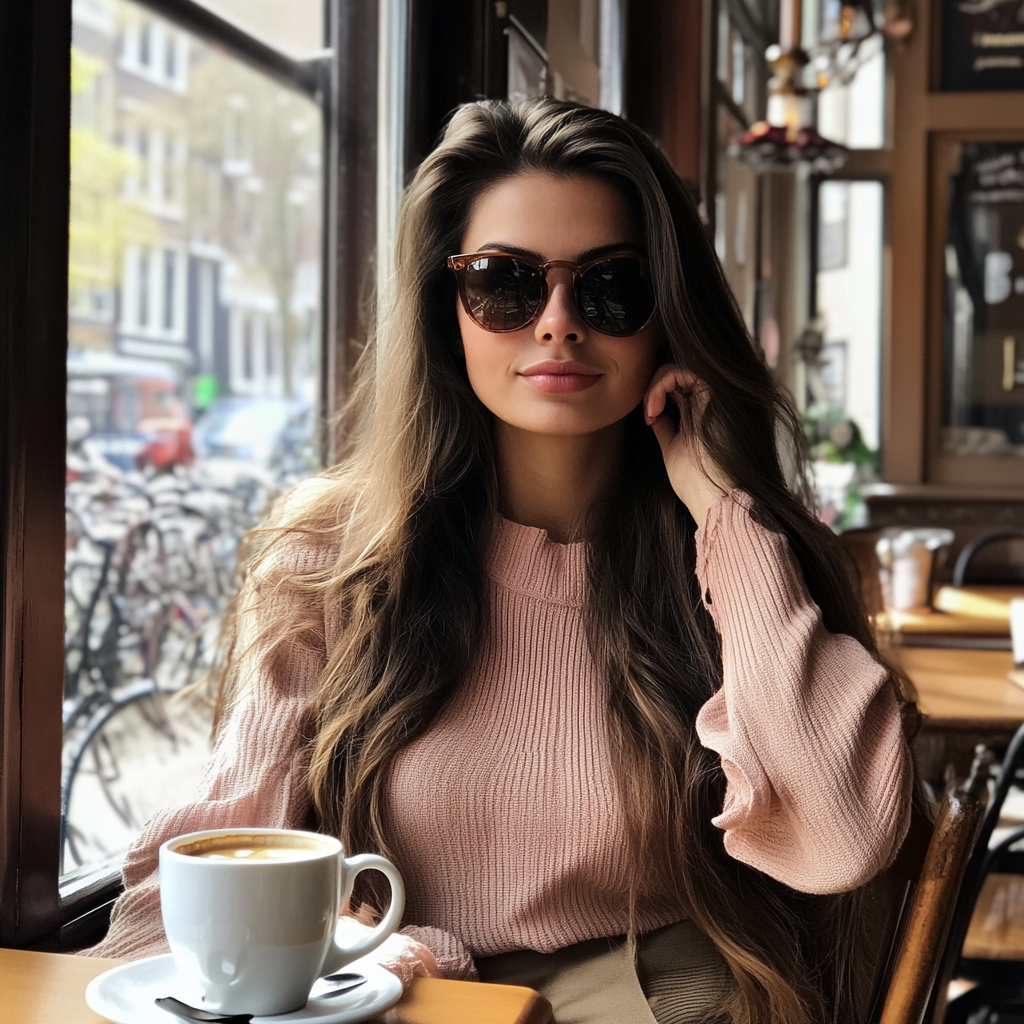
{"x": 180, "y": 1009}
{"x": 341, "y": 991}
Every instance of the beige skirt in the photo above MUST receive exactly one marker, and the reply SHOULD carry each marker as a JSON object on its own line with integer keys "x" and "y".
{"x": 674, "y": 975}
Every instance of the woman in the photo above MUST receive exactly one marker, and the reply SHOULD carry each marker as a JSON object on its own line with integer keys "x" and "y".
{"x": 556, "y": 636}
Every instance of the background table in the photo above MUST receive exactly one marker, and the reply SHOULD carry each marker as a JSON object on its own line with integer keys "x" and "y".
{"x": 49, "y": 988}
{"x": 961, "y": 688}
{"x": 966, "y": 697}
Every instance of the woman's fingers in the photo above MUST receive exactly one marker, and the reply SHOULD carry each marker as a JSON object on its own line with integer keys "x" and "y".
{"x": 666, "y": 381}
{"x": 665, "y": 432}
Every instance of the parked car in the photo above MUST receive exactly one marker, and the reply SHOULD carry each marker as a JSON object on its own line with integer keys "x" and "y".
{"x": 137, "y": 416}
{"x": 269, "y": 435}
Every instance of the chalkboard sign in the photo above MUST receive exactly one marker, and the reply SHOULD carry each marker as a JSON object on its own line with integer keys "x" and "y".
{"x": 982, "y": 44}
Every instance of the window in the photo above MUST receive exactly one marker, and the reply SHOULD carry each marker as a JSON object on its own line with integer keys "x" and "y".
{"x": 849, "y": 61}
{"x": 736, "y": 220}
{"x": 853, "y": 112}
{"x": 580, "y": 40}
{"x": 844, "y": 375}
{"x": 154, "y": 160}
{"x": 137, "y": 287}
{"x": 737, "y": 64}
{"x": 237, "y": 137}
{"x": 111, "y": 391}
{"x": 170, "y": 295}
{"x": 735, "y": 212}
{"x": 841, "y": 347}
{"x": 200, "y": 395}
{"x": 152, "y": 49}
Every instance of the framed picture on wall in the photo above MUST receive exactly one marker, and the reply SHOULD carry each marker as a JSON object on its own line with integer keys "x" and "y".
{"x": 976, "y": 309}
{"x": 982, "y": 45}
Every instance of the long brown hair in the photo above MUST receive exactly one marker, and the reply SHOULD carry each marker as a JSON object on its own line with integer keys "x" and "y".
{"x": 404, "y": 519}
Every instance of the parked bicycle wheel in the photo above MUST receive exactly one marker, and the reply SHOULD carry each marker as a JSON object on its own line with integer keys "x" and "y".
{"x": 143, "y": 750}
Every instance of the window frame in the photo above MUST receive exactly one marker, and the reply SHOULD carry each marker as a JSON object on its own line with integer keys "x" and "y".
{"x": 38, "y": 908}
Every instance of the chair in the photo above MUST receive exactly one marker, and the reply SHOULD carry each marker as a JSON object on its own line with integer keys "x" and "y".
{"x": 999, "y": 984}
{"x": 918, "y": 966}
{"x": 970, "y": 552}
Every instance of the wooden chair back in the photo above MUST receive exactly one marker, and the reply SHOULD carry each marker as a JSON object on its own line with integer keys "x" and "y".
{"x": 865, "y": 569}
{"x": 924, "y": 932}
{"x": 987, "y": 858}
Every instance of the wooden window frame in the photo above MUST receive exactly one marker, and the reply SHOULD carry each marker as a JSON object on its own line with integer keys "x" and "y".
{"x": 36, "y": 909}
{"x": 35, "y": 109}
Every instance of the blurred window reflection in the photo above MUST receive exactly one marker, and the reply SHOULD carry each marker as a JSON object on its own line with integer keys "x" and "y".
{"x": 851, "y": 104}
{"x": 296, "y": 26}
{"x": 737, "y": 68}
{"x": 194, "y": 274}
{"x": 845, "y": 374}
{"x": 736, "y": 219}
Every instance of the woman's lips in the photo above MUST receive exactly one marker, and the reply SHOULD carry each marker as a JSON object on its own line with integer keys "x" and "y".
{"x": 557, "y": 377}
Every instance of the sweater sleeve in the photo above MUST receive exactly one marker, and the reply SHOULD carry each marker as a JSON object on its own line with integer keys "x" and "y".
{"x": 806, "y": 722}
{"x": 452, "y": 958}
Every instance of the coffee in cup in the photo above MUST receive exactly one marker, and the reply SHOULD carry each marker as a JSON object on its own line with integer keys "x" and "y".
{"x": 252, "y": 848}
{"x": 250, "y": 914}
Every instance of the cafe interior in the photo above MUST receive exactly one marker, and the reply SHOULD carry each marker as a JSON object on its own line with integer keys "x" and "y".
{"x": 181, "y": 330}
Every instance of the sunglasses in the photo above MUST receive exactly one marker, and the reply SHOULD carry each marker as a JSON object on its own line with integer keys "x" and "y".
{"x": 501, "y": 292}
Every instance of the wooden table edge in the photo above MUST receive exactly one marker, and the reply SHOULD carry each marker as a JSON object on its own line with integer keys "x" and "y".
{"x": 425, "y": 1001}
{"x": 421, "y": 1004}
{"x": 967, "y": 725}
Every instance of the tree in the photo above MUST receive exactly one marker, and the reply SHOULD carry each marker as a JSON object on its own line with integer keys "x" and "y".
{"x": 100, "y": 222}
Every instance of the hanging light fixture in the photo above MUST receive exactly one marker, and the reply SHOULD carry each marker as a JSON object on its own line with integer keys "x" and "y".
{"x": 844, "y": 45}
{"x": 788, "y": 136}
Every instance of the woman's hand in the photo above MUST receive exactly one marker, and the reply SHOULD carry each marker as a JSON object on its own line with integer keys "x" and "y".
{"x": 697, "y": 481}
{"x": 399, "y": 953}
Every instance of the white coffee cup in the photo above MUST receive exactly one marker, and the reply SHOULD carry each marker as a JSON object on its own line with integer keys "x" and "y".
{"x": 1017, "y": 631}
{"x": 251, "y": 934}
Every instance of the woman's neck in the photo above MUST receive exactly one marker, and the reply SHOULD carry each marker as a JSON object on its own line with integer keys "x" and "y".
{"x": 550, "y": 481}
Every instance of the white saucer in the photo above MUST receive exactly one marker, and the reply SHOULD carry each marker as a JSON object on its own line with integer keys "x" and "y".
{"x": 125, "y": 995}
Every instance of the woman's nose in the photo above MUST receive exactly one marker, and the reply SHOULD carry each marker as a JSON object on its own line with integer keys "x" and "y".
{"x": 560, "y": 320}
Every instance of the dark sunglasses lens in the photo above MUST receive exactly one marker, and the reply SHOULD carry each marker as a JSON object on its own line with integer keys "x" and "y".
{"x": 615, "y": 296}
{"x": 502, "y": 293}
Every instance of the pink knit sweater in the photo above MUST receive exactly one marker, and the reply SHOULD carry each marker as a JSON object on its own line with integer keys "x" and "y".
{"x": 504, "y": 817}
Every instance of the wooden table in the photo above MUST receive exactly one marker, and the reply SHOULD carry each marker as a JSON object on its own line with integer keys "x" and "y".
{"x": 962, "y": 688}
{"x": 967, "y": 698}
{"x": 49, "y": 988}
{"x": 959, "y": 611}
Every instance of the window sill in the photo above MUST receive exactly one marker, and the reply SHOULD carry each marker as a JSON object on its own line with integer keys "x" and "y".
{"x": 86, "y": 898}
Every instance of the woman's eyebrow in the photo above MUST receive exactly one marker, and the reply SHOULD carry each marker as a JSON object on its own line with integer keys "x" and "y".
{"x": 583, "y": 257}
{"x": 604, "y": 250}
{"x": 512, "y": 250}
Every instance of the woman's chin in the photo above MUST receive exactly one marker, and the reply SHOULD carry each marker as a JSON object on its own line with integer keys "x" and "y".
{"x": 560, "y": 425}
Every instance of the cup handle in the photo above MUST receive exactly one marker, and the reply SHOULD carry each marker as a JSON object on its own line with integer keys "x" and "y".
{"x": 339, "y": 956}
